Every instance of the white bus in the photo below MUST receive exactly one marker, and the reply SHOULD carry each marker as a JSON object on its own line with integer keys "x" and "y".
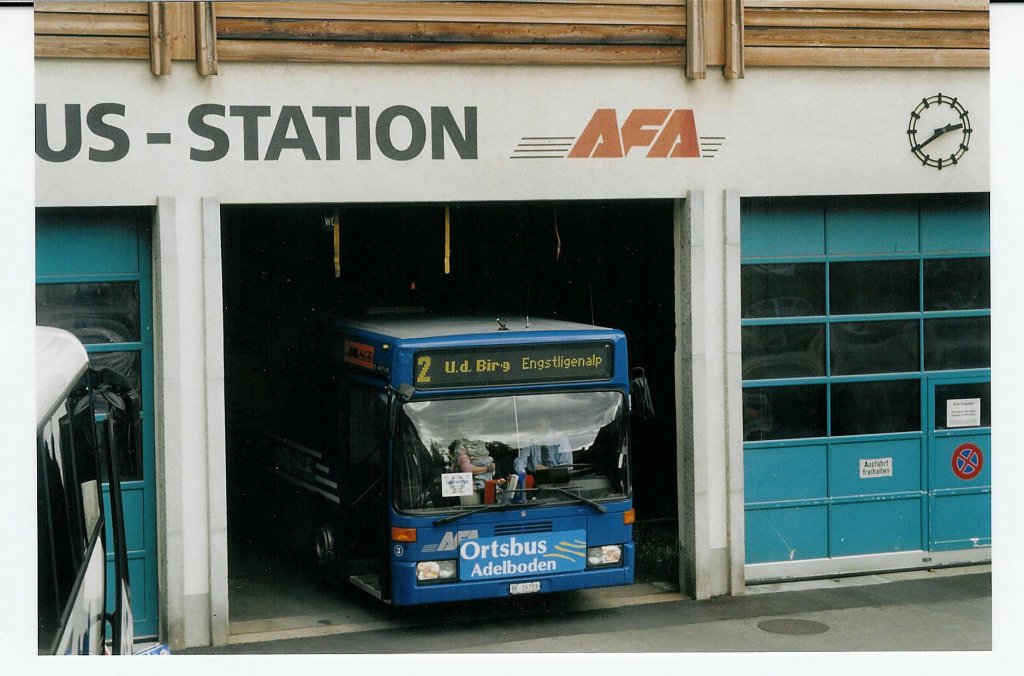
{"x": 80, "y": 610}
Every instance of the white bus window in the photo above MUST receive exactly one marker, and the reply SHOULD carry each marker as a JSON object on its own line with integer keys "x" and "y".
{"x": 59, "y": 559}
{"x": 83, "y": 443}
{"x": 72, "y": 484}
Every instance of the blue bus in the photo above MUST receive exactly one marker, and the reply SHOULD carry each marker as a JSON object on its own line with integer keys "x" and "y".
{"x": 470, "y": 459}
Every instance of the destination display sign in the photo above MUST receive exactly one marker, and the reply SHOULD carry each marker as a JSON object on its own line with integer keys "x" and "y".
{"x": 496, "y": 365}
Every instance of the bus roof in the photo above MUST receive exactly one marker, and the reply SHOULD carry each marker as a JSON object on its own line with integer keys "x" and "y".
{"x": 407, "y": 326}
{"x": 60, "y": 360}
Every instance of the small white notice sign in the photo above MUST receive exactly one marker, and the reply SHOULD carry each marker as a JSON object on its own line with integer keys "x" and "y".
{"x": 874, "y": 468}
{"x": 457, "y": 484}
{"x": 963, "y": 413}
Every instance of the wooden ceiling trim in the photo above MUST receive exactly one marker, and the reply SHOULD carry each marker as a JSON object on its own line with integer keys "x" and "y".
{"x": 844, "y": 18}
{"x": 443, "y": 32}
{"x": 382, "y": 52}
{"x": 832, "y": 57}
{"x": 478, "y": 12}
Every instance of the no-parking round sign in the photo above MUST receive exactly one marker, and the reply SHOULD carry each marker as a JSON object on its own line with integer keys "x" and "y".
{"x": 967, "y": 461}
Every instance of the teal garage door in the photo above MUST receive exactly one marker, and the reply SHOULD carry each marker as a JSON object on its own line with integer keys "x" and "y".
{"x": 862, "y": 319}
{"x": 960, "y": 473}
{"x": 94, "y": 278}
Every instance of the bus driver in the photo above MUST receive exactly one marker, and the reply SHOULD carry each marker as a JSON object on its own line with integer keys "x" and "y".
{"x": 548, "y": 448}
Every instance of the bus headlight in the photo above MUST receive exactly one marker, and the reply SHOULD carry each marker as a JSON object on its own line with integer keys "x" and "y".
{"x": 605, "y": 555}
{"x": 436, "y": 571}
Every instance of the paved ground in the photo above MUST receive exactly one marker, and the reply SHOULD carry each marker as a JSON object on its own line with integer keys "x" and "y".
{"x": 941, "y": 611}
{"x": 937, "y": 621}
{"x": 886, "y": 616}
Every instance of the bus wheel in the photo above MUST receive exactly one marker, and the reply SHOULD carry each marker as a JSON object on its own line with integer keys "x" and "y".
{"x": 325, "y": 553}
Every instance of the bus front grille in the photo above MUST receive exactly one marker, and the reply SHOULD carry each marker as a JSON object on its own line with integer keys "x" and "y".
{"x": 523, "y": 528}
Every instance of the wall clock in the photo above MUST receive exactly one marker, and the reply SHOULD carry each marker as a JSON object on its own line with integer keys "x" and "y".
{"x": 939, "y": 131}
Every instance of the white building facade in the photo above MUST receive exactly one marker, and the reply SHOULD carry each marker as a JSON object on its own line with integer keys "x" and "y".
{"x": 797, "y": 453}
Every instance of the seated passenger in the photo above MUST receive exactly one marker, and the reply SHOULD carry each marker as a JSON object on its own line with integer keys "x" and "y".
{"x": 547, "y": 448}
{"x": 472, "y": 457}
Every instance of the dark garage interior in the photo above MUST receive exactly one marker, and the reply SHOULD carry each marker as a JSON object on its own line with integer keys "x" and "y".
{"x": 288, "y": 269}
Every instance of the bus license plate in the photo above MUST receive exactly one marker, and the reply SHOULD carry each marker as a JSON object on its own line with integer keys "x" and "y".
{"x": 524, "y": 587}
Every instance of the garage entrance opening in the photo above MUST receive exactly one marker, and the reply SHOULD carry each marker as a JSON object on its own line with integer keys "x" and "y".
{"x": 288, "y": 269}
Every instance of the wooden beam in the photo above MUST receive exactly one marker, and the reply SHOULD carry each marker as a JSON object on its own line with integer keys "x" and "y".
{"x": 856, "y": 37}
{"x": 714, "y": 33}
{"x": 833, "y": 57}
{"x": 206, "y": 38}
{"x": 734, "y": 40}
{"x": 92, "y": 7}
{"x": 159, "y": 40}
{"x": 482, "y": 12}
{"x": 181, "y": 26}
{"x": 68, "y": 23}
{"x": 434, "y": 31}
{"x": 381, "y": 52}
{"x": 943, "y": 5}
{"x": 677, "y": 3}
{"x": 843, "y": 18}
{"x": 71, "y": 47}
{"x": 696, "y": 65}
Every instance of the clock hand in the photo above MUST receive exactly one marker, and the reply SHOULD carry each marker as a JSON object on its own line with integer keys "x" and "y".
{"x": 939, "y": 132}
{"x": 935, "y": 135}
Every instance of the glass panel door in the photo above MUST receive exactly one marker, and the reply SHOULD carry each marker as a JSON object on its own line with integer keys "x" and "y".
{"x": 960, "y": 461}
{"x": 94, "y": 279}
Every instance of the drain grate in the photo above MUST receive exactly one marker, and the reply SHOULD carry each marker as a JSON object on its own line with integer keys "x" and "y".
{"x": 792, "y": 627}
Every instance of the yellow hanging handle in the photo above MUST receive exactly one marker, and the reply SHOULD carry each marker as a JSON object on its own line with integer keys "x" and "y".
{"x": 337, "y": 245}
{"x": 447, "y": 240}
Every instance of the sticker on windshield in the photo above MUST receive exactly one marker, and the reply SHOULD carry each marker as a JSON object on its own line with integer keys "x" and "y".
{"x": 457, "y": 484}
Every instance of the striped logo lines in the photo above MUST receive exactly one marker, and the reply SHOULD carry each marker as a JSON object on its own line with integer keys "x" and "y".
{"x": 542, "y": 147}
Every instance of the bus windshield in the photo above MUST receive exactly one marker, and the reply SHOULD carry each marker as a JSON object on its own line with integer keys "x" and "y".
{"x": 458, "y": 454}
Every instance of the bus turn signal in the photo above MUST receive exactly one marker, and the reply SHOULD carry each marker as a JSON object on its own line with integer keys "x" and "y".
{"x": 403, "y": 534}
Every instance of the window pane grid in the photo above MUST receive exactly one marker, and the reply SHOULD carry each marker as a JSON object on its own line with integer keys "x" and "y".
{"x": 828, "y": 319}
{"x": 835, "y": 319}
{"x": 114, "y": 347}
{"x": 865, "y": 378}
{"x": 969, "y": 302}
{"x": 852, "y": 258}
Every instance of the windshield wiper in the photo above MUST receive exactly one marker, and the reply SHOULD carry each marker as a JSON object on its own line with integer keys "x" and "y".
{"x": 503, "y": 506}
{"x": 587, "y": 501}
{"x": 455, "y": 517}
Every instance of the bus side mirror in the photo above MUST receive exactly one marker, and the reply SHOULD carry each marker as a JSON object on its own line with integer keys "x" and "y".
{"x": 115, "y": 394}
{"x": 640, "y": 395}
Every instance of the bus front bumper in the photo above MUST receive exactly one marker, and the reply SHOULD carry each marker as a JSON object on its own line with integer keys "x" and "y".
{"x": 406, "y": 591}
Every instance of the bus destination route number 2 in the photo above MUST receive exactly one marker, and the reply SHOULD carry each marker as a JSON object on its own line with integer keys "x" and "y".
{"x": 513, "y": 365}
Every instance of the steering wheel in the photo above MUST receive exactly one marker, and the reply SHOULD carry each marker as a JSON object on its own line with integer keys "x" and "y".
{"x": 577, "y": 468}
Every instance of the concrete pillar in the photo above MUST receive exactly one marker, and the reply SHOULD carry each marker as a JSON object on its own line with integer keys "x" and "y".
{"x": 709, "y": 408}
{"x": 167, "y": 386}
{"x": 733, "y": 395}
{"x": 190, "y": 431}
{"x": 216, "y": 467}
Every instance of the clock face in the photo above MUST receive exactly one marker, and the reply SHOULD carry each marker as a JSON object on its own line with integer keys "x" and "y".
{"x": 939, "y": 131}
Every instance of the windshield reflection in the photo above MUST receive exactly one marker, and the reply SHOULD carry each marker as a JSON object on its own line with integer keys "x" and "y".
{"x": 460, "y": 453}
